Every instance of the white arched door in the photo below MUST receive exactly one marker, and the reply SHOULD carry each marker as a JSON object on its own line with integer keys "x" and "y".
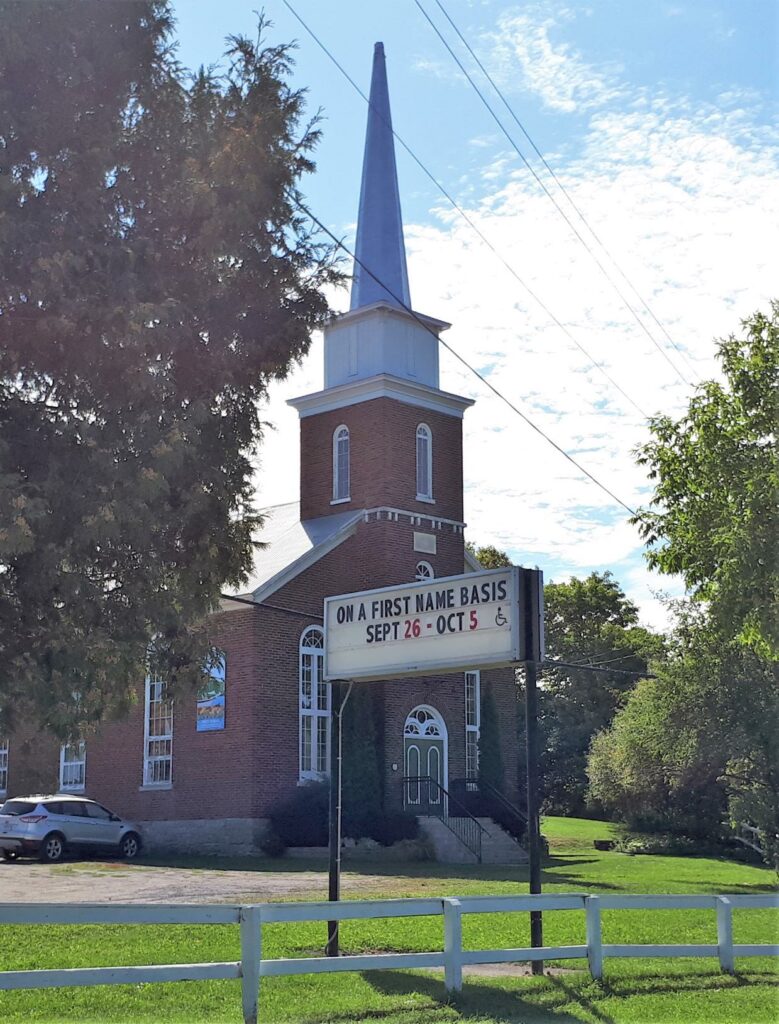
{"x": 425, "y": 761}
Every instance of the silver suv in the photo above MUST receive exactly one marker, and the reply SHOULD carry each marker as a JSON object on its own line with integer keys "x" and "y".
{"x": 47, "y": 826}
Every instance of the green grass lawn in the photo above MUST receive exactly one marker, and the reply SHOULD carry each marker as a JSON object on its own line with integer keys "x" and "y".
{"x": 684, "y": 991}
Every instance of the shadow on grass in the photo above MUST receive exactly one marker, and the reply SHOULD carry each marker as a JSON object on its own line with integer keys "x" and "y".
{"x": 476, "y": 1001}
{"x": 752, "y": 888}
{"x": 261, "y": 865}
{"x": 655, "y": 984}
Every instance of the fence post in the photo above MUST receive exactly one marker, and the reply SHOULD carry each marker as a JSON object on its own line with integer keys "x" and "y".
{"x": 453, "y": 945}
{"x": 594, "y": 936}
{"x": 725, "y": 934}
{"x": 251, "y": 955}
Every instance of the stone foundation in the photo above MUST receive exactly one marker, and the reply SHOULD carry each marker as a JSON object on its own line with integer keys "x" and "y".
{"x": 225, "y": 837}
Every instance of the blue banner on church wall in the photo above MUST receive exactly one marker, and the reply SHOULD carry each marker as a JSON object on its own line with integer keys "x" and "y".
{"x": 211, "y": 701}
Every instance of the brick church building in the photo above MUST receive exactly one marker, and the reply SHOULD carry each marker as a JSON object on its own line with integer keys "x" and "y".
{"x": 381, "y": 503}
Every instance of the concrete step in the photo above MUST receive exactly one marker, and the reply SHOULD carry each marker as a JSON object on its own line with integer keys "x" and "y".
{"x": 448, "y": 848}
{"x": 498, "y": 847}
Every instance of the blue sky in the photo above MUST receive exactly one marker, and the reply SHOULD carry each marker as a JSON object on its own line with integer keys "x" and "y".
{"x": 660, "y": 120}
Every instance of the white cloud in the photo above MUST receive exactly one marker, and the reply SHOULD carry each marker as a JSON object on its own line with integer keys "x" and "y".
{"x": 553, "y": 70}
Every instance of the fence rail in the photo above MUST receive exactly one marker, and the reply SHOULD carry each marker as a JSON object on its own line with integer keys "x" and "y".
{"x": 251, "y": 968}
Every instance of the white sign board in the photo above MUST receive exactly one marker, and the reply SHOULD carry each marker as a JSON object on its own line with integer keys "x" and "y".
{"x": 444, "y": 625}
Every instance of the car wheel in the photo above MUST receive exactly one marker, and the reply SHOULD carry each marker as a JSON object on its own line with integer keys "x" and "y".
{"x": 10, "y": 855}
{"x": 130, "y": 846}
{"x": 52, "y": 848}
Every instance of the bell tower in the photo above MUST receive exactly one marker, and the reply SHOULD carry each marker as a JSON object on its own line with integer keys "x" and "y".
{"x": 382, "y": 435}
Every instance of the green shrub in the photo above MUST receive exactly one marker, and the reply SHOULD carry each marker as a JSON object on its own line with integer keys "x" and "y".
{"x": 395, "y": 827}
{"x": 302, "y": 819}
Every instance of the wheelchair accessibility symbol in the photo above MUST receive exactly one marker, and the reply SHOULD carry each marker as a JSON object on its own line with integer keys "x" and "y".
{"x": 500, "y": 618}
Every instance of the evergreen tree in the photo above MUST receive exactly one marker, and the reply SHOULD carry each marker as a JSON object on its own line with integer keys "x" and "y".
{"x": 490, "y": 755}
{"x": 361, "y": 776}
{"x": 156, "y": 276}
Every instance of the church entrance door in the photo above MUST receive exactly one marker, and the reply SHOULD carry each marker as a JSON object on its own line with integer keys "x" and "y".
{"x": 425, "y": 766}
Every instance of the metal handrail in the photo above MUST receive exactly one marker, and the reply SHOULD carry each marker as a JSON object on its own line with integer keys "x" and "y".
{"x": 464, "y": 826}
{"x": 517, "y": 829}
{"x": 503, "y": 800}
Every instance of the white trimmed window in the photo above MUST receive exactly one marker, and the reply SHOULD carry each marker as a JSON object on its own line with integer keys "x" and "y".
{"x": 3, "y": 766}
{"x": 341, "y": 483}
{"x": 158, "y": 735}
{"x": 73, "y": 767}
{"x": 424, "y": 572}
{"x": 424, "y": 462}
{"x": 472, "y": 724}
{"x": 314, "y": 707}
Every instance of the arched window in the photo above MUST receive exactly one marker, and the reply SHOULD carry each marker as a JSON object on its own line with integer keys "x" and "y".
{"x": 341, "y": 481}
{"x": 314, "y": 706}
{"x": 424, "y": 572}
{"x": 424, "y": 462}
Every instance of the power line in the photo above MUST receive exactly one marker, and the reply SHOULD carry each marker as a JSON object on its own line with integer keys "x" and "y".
{"x": 561, "y": 186}
{"x": 546, "y": 191}
{"x": 592, "y": 668}
{"x": 341, "y": 245}
{"x": 536, "y": 298}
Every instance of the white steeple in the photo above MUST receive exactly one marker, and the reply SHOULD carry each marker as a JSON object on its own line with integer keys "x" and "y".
{"x": 379, "y": 247}
{"x": 378, "y": 335}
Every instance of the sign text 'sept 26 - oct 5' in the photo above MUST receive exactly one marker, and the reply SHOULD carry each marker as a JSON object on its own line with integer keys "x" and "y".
{"x": 448, "y": 624}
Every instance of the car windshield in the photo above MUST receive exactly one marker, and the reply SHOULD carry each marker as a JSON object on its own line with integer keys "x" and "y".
{"x": 17, "y": 807}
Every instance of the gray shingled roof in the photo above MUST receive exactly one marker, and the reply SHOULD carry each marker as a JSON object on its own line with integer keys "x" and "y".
{"x": 290, "y": 546}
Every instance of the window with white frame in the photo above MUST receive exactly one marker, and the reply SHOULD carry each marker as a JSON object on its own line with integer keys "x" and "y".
{"x": 472, "y": 724}
{"x": 314, "y": 706}
{"x": 424, "y": 571}
{"x": 424, "y": 462}
{"x": 341, "y": 482}
{"x": 158, "y": 735}
{"x": 3, "y": 765}
{"x": 73, "y": 766}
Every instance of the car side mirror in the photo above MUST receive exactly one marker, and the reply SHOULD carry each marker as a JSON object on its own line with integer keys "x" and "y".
{"x": 115, "y": 817}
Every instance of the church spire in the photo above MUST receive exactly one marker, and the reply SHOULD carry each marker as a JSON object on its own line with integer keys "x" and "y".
{"x": 379, "y": 245}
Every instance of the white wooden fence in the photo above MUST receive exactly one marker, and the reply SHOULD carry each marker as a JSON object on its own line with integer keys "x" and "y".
{"x": 250, "y": 918}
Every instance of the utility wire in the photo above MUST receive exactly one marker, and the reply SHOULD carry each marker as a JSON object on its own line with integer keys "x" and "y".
{"x": 536, "y": 298}
{"x": 559, "y": 209}
{"x": 592, "y": 668}
{"x": 561, "y": 186}
{"x": 341, "y": 245}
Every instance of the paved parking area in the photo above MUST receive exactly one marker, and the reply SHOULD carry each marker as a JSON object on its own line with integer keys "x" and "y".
{"x": 118, "y": 882}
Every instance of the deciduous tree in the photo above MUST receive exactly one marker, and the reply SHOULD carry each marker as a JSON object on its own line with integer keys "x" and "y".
{"x": 589, "y": 622}
{"x": 713, "y": 518}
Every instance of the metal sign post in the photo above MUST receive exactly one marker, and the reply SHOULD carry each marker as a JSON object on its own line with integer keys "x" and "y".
{"x": 532, "y": 615}
{"x": 489, "y": 619}
{"x": 533, "y": 822}
{"x": 340, "y": 695}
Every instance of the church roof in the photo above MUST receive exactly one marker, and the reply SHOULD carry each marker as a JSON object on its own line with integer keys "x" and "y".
{"x": 290, "y": 545}
{"x": 379, "y": 246}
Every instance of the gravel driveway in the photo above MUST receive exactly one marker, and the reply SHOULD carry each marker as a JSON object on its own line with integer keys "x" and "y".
{"x": 118, "y": 882}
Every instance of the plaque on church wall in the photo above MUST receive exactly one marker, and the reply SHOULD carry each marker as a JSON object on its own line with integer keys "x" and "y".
{"x": 487, "y": 619}
{"x": 425, "y": 542}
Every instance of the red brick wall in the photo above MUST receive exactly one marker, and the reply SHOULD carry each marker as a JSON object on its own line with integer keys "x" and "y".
{"x": 383, "y": 459}
{"x": 212, "y": 771}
